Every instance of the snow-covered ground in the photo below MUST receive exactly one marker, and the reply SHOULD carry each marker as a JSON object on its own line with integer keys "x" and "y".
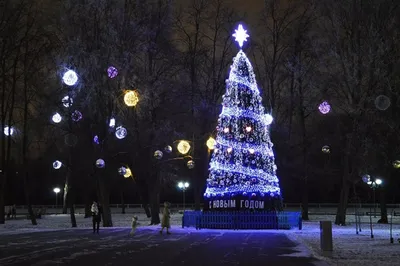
{"x": 348, "y": 247}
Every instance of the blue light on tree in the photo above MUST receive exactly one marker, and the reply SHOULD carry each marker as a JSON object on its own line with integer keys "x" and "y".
{"x": 242, "y": 163}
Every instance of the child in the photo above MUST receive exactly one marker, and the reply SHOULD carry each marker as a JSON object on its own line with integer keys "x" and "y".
{"x": 134, "y": 225}
{"x": 165, "y": 219}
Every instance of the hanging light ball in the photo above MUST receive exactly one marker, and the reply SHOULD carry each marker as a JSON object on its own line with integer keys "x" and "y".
{"x": 131, "y": 98}
{"x": 57, "y": 164}
{"x": 56, "y": 118}
{"x": 366, "y": 178}
{"x": 128, "y": 173}
{"x": 168, "y": 149}
{"x": 122, "y": 170}
{"x": 8, "y": 131}
{"x": 190, "y": 164}
{"x": 326, "y": 149}
{"x": 268, "y": 119}
{"x": 324, "y": 108}
{"x": 70, "y": 78}
{"x": 100, "y": 163}
{"x": 211, "y": 143}
{"x": 96, "y": 140}
{"x": 67, "y": 101}
{"x": 112, "y": 72}
{"x": 76, "y": 116}
{"x": 396, "y": 164}
{"x": 121, "y": 132}
{"x": 183, "y": 147}
{"x": 158, "y": 154}
{"x": 382, "y": 102}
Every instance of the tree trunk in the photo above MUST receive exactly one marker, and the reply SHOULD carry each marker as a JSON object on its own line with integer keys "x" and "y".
{"x": 32, "y": 215}
{"x": 2, "y": 212}
{"x": 304, "y": 205}
{"x": 155, "y": 199}
{"x": 384, "y": 218}
{"x": 122, "y": 203}
{"x": 71, "y": 202}
{"x": 105, "y": 201}
{"x": 65, "y": 196}
{"x": 342, "y": 207}
{"x": 88, "y": 214}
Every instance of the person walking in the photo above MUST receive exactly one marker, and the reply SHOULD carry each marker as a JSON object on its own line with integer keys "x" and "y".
{"x": 96, "y": 216}
{"x": 165, "y": 223}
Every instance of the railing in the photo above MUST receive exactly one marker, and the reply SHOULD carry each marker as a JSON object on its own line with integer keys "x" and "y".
{"x": 242, "y": 220}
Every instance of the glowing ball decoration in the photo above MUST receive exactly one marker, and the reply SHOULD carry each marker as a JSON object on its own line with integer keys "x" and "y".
{"x": 112, "y": 72}
{"x": 121, "y": 132}
{"x": 324, "y": 108}
{"x": 56, "y": 118}
{"x": 211, "y": 143}
{"x": 57, "y": 164}
{"x": 382, "y": 102}
{"x": 396, "y": 164}
{"x": 326, "y": 149}
{"x": 8, "y": 131}
{"x": 96, "y": 140}
{"x": 100, "y": 163}
{"x": 268, "y": 119}
{"x": 158, "y": 154}
{"x": 76, "y": 116}
{"x": 67, "y": 101}
{"x": 122, "y": 170}
{"x": 190, "y": 164}
{"x": 168, "y": 149}
{"x": 183, "y": 147}
{"x": 128, "y": 173}
{"x": 70, "y": 78}
{"x": 131, "y": 98}
{"x": 366, "y": 178}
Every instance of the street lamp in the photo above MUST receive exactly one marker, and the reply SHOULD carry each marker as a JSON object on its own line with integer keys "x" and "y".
{"x": 183, "y": 186}
{"x": 373, "y": 183}
{"x": 56, "y": 190}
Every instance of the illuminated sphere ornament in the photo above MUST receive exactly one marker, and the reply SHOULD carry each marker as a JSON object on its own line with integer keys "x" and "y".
{"x": 100, "y": 163}
{"x": 56, "y": 118}
{"x": 382, "y": 102}
{"x": 112, "y": 72}
{"x": 131, "y": 98}
{"x": 324, "y": 108}
{"x": 326, "y": 149}
{"x": 121, "y": 132}
{"x": 122, "y": 170}
{"x": 128, "y": 173}
{"x": 96, "y": 140}
{"x": 76, "y": 116}
{"x": 396, "y": 164}
{"x": 366, "y": 178}
{"x": 183, "y": 146}
{"x": 57, "y": 164}
{"x": 168, "y": 149}
{"x": 190, "y": 164}
{"x": 268, "y": 119}
{"x": 8, "y": 131}
{"x": 211, "y": 143}
{"x": 70, "y": 78}
{"x": 158, "y": 154}
{"x": 67, "y": 101}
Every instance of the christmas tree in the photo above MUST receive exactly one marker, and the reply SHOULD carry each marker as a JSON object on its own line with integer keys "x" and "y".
{"x": 242, "y": 167}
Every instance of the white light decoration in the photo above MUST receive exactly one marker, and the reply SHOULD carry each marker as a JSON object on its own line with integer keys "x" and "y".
{"x": 67, "y": 101}
{"x": 242, "y": 163}
{"x": 56, "y": 190}
{"x": 240, "y": 35}
{"x": 100, "y": 163}
{"x": 183, "y": 147}
{"x": 112, "y": 123}
{"x": 183, "y": 185}
{"x": 121, "y": 132}
{"x": 56, "y": 118}
{"x": 70, "y": 78}
{"x": 57, "y": 164}
{"x": 378, "y": 181}
{"x": 8, "y": 131}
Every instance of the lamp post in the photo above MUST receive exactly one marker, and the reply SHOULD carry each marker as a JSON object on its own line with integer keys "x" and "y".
{"x": 373, "y": 183}
{"x": 183, "y": 186}
{"x": 56, "y": 190}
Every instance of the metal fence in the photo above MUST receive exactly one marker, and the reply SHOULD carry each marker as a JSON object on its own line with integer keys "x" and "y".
{"x": 242, "y": 220}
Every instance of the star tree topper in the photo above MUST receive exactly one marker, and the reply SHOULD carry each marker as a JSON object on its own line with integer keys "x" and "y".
{"x": 240, "y": 35}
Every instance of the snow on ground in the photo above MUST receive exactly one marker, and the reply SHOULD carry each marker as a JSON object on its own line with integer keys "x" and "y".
{"x": 348, "y": 247}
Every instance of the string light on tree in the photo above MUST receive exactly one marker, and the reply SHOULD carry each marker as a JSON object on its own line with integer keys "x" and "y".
{"x": 183, "y": 147}
{"x": 67, "y": 101}
{"x": 8, "y": 131}
{"x": 121, "y": 132}
{"x": 76, "y": 116}
{"x": 56, "y": 118}
{"x": 100, "y": 163}
{"x": 70, "y": 78}
{"x": 158, "y": 154}
{"x": 211, "y": 143}
{"x": 131, "y": 98}
{"x": 112, "y": 72}
{"x": 324, "y": 108}
{"x": 57, "y": 164}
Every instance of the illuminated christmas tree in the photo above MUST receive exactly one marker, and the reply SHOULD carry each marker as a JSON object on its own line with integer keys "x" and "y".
{"x": 242, "y": 167}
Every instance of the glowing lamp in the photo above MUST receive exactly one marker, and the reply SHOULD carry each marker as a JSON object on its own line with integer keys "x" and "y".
{"x": 211, "y": 143}
{"x": 183, "y": 185}
{"x": 378, "y": 181}
{"x": 56, "y": 190}
{"x": 57, "y": 164}
{"x": 70, "y": 78}
{"x": 131, "y": 98}
{"x": 183, "y": 147}
{"x": 56, "y": 118}
{"x": 8, "y": 131}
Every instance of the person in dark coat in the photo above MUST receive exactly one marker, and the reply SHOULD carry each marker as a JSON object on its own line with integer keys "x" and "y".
{"x": 96, "y": 216}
